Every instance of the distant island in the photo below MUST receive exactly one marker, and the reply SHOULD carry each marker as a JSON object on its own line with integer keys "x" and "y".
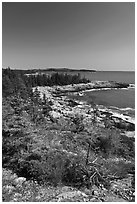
{"x": 69, "y": 69}
{"x": 54, "y": 69}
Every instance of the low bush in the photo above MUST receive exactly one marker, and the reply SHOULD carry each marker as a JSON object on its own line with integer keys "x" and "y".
{"x": 103, "y": 144}
{"x": 54, "y": 163}
{"x": 49, "y": 169}
{"x": 78, "y": 122}
{"x": 75, "y": 174}
{"x": 34, "y": 156}
{"x": 12, "y": 148}
{"x": 118, "y": 168}
{"x": 30, "y": 169}
{"x": 55, "y": 168}
{"x": 127, "y": 146}
{"x": 111, "y": 142}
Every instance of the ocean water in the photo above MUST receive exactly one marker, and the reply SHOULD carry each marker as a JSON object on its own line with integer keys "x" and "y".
{"x": 128, "y": 77}
{"x": 121, "y": 98}
{"x": 116, "y": 99}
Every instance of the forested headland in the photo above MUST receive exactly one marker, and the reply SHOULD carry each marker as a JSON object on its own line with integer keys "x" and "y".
{"x": 15, "y": 81}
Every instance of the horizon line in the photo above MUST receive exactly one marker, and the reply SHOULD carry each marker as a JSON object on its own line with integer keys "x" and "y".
{"x": 53, "y": 67}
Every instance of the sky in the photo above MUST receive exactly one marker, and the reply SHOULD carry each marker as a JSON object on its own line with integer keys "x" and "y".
{"x": 90, "y": 35}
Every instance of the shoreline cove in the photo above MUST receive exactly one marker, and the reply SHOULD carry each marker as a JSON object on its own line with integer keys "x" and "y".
{"x": 60, "y": 107}
{"x": 122, "y": 99}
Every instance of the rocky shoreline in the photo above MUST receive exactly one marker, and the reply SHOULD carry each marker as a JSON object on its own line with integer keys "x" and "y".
{"x": 64, "y": 107}
{"x": 89, "y": 86}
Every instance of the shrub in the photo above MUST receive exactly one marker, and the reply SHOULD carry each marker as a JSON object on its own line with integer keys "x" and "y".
{"x": 49, "y": 169}
{"x": 34, "y": 156}
{"x": 8, "y": 151}
{"x": 30, "y": 169}
{"x": 75, "y": 173}
{"x": 117, "y": 167}
{"x": 111, "y": 142}
{"x": 12, "y": 147}
{"x": 54, "y": 164}
{"x": 55, "y": 168}
{"x": 103, "y": 144}
{"x": 78, "y": 121}
{"x": 128, "y": 146}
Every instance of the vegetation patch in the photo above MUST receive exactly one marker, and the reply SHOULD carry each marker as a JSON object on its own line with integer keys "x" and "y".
{"x": 72, "y": 150}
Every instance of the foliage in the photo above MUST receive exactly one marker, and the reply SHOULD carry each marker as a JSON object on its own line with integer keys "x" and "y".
{"x": 29, "y": 147}
{"x": 109, "y": 141}
{"x": 78, "y": 121}
{"x": 16, "y": 82}
{"x": 30, "y": 169}
{"x": 117, "y": 168}
{"x": 75, "y": 173}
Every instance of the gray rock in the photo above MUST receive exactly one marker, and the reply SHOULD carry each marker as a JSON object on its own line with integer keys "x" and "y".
{"x": 19, "y": 180}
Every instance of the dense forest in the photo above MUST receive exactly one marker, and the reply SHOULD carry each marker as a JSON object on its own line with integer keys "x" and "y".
{"x": 18, "y": 81}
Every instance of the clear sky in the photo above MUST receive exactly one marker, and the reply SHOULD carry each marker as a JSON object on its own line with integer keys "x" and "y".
{"x": 90, "y": 35}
